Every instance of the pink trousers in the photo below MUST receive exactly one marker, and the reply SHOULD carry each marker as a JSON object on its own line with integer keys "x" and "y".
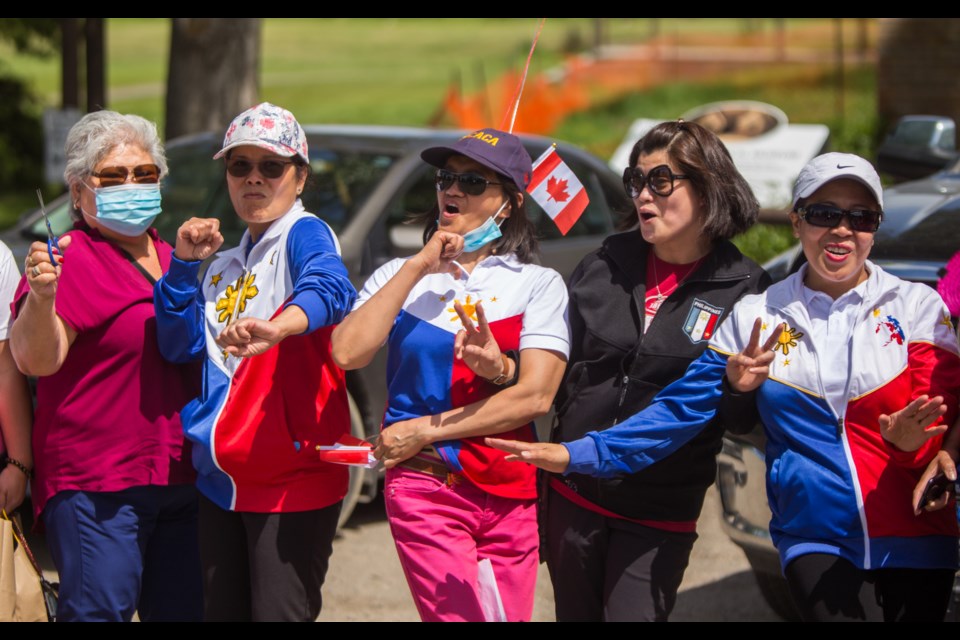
{"x": 442, "y": 530}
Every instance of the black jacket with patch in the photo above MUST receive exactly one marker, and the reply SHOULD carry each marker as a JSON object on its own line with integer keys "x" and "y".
{"x": 615, "y": 369}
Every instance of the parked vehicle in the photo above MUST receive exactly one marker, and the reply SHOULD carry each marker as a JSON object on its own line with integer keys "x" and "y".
{"x": 365, "y": 181}
{"x": 919, "y": 234}
{"x": 917, "y": 146}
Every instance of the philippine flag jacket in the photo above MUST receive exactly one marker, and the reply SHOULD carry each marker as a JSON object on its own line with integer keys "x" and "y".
{"x": 257, "y": 423}
{"x": 834, "y": 484}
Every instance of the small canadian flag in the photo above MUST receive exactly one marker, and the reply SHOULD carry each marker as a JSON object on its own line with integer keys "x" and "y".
{"x": 555, "y": 188}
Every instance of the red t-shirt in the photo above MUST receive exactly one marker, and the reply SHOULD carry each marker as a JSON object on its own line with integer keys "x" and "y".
{"x": 109, "y": 418}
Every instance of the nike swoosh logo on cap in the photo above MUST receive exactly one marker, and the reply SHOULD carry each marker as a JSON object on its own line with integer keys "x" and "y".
{"x": 846, "y": 166}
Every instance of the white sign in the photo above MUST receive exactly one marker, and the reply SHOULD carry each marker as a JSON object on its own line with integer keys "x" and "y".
{"x": 770, "y": 161}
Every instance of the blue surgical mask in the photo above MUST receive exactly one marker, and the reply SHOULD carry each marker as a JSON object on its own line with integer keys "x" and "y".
{"x": 127, "y": 209}
{"x": 484, "y": 234}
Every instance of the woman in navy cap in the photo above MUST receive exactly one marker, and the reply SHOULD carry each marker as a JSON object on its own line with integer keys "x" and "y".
{"x": 477, "y": 341}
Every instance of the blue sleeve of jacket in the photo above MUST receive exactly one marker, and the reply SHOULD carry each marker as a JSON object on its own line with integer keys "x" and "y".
{"x": 675, "y": 416}
{"x": 321, "y": 286}
{"x": 178, "y": 303}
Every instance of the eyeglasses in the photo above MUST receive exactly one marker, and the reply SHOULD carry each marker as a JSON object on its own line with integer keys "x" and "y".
{"x": 472, "y": 184}
{"x": 271, "y": 169}
{"x": 829, "y": 216}
{"x": 659, "y": 180}
{"x": 115, "y": 176}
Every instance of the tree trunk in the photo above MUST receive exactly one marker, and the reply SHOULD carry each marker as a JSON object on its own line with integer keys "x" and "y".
{"x": 214, "y": 72}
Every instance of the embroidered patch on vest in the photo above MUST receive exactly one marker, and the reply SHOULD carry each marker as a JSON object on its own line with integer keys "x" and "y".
{"x": 702, "y": 320}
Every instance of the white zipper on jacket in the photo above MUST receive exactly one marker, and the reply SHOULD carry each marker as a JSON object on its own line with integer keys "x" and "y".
{"x": 845, "y": 443}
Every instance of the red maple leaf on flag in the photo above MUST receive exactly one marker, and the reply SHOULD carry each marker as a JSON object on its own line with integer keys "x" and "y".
{"x": 557, "y": 189}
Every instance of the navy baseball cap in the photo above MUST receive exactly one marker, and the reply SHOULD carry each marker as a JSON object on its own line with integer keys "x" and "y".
{"x": 497, "y": 150}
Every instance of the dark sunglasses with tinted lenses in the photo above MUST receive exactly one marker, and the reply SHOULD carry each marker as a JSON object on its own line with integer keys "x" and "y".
{"x": 659, "y": 180}
{"x": 272, "y": 169}
{"x": 115, "y": 176}
{"x": 472, "y": 184}
{"x": 829, "y": 216}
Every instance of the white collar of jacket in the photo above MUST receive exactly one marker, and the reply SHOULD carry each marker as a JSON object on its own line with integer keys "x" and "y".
{"x": 787, "y": 296}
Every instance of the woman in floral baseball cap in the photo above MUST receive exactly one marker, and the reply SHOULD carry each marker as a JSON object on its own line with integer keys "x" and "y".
{"x": 260, "y": 318}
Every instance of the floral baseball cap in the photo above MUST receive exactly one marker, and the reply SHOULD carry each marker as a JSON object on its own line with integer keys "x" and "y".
{"x": 269, "y": 127}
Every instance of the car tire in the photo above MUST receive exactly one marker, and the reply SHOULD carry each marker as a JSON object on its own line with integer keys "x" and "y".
{"x": 776, "y": 592}
{"x": 355, "y": 486}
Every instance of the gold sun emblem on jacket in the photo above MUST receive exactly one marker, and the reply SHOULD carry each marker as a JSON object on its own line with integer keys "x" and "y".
{"x": 787, "y": 340}
{"x": 234, "y": 300}
{"x": 469, "y": 307}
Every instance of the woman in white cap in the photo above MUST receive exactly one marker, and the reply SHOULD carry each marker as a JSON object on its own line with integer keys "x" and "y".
{"x": 477, "y": 341}
{"x": 852, "y": 386}
{"x": 268, "y": 505}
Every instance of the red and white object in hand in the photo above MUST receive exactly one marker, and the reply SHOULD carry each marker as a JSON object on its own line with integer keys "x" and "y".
{"x": 350, "y": 451}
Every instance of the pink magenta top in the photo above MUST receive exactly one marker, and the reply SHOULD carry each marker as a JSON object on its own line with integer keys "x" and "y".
{"x": 109, "y": 418}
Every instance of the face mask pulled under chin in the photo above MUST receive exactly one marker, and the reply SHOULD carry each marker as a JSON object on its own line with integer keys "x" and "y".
{"x": 127, "y": 209}
{"x": 485, "y": 233}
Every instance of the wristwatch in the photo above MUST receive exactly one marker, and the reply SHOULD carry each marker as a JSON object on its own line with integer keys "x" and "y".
{"x": 501, "y": 380}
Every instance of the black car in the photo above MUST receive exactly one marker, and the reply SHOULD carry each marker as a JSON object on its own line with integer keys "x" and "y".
{"x": 919, "y": 234}
{"x": 365, "y": 181}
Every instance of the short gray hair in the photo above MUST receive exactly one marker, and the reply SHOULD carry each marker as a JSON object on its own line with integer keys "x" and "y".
{"x": 96, "y": 134}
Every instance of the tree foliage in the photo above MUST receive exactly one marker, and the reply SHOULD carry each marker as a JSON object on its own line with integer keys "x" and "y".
{"x": 35, "y": 36}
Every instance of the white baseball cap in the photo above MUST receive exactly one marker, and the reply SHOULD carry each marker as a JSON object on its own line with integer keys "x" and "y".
{"x": 832, "y": 166}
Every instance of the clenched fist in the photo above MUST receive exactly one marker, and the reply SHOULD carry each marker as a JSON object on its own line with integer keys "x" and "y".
{"x": 198, "y": 239}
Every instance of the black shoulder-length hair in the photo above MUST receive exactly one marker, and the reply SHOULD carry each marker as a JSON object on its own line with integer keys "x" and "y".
{"x": 729, "y": 206}
{"x": 519, "y": 234}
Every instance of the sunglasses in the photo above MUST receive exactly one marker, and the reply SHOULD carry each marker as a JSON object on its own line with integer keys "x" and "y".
{"x": 271, "y": 169}
{"x": 659, "y": 180}
{"x": 829, "y": 216}
{"x": 472, "y": 184}
{"x": 115, "y": 176}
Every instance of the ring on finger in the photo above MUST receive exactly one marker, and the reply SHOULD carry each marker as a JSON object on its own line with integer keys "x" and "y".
{"x": 35, "y": 271}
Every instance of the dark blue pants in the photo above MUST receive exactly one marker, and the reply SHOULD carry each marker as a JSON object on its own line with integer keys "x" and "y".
{"x": 126, "y": 551}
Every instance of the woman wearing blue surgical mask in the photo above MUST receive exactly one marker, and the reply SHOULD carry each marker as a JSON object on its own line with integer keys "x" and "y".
{"x": 112, "y": 479}
{"x": 477, "y": 344}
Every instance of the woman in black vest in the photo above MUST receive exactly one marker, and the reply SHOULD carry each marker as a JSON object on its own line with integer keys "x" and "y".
{"x": 642, "y": 308}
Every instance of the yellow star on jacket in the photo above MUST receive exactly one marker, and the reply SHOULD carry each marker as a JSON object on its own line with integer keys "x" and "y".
{"x": 236, "y": 295}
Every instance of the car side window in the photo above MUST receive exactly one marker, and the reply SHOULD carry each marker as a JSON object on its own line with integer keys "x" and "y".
{"x": 340, "y": 181}
{"x": 418, "y": 195}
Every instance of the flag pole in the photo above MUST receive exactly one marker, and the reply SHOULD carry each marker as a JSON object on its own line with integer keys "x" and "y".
{"x": 523, "y": 78}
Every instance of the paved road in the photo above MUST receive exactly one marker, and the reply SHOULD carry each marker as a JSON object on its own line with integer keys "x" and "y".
{"x": 365, "y": 582}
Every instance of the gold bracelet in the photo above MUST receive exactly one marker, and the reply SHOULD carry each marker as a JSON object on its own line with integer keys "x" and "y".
{"x": 21, "y": 466}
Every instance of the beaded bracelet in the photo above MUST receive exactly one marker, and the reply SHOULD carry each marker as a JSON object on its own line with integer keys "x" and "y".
{"x": 21, "y": 466}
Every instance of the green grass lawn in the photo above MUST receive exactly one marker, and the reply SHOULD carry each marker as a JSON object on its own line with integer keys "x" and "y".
{"x": 396, "y": 71}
